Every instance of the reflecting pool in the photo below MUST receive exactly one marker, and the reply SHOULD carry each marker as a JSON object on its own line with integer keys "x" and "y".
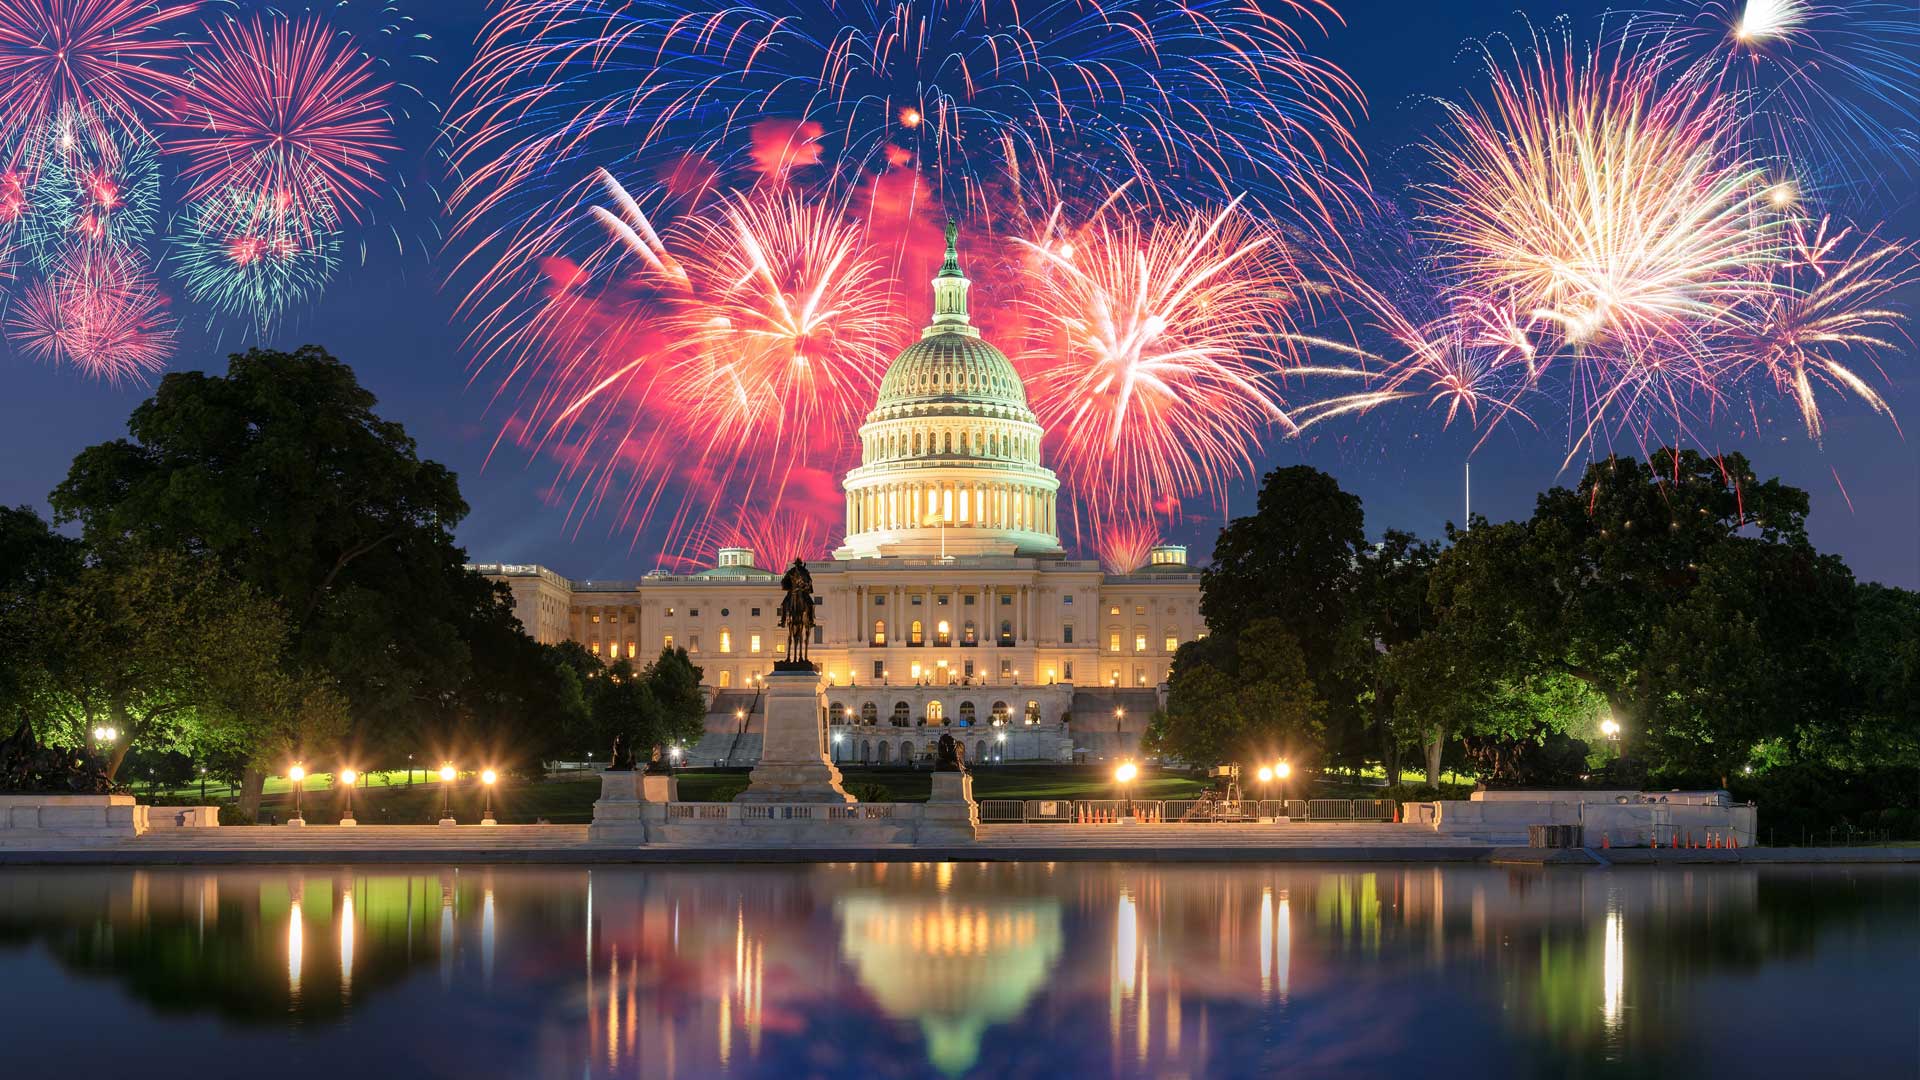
{"x": 949, "y": 970}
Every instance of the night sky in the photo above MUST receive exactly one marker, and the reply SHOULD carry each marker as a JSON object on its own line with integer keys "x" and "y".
{"x": 392, "y": 318}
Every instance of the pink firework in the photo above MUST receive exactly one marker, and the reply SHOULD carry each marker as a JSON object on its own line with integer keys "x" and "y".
{"x": 109, "y": 58}
{"x": 98, "y": 312}
{"x": 278, "y": 110}
{"x": 696, "y": 377}
{"x": 1155, "y": 348}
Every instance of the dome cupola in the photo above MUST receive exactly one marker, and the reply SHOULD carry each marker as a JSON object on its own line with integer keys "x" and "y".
{"x": 950, "y": 454}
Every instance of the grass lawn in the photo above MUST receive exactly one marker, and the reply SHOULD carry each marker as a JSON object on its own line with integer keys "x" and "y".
{"x": 570, "y": 800}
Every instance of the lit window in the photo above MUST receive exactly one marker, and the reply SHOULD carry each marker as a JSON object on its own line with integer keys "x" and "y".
{"x": 1139, "y": 675}
{"x": 631, "y": 651}
{"x": 596, "y": 618}
{"x": 1173, "y": 642}
{"x": 913, "y": 633}
{"x": 1114, "y": 610}
{"x": 666, "y": 642}
{"x": 596, "y": 648}
{"x": 693, "y": 643}
{"x": 753, "y": 642}
{"x": 879, "y": 631}
{"x": 1139, "y": 641}
{"x": 726, "y": 679}
{"x": 967, "y": 632}
{"x": 916, "y": 669}
{"x": 1113, "y": 641}
{"x": 1139, "y": 609}
{"x": 942, "y": 633}
{"x": 669, "y": 613}
{"x": 726, "y": 641}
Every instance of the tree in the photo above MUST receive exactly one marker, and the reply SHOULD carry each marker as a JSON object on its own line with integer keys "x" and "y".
{"x": 1298, "y": 559}
{"x": 174, "y": 656}
{"x": 1681, "y": 592}
{"x": 661, "y": 705}
{"x": 281, "y": 475}
{"x": 1393, "y": 608}
{"x": 1240, "y": 698}
{"x": 33, "y": 558}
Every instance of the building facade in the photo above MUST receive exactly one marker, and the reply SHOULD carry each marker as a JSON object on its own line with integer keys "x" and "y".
{"x": 950, "y": 602}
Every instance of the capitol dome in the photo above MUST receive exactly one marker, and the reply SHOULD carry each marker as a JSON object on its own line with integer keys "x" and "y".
{"x": 950, "y": 454}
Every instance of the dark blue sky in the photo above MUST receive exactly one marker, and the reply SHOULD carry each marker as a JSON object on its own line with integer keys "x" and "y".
{"x": 394, "y": 322}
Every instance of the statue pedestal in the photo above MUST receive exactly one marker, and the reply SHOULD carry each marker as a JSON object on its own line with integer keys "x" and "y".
{"x": 950, "y": 814}
{"x": 629, "y": 799}
{"x": 794, "y": 766}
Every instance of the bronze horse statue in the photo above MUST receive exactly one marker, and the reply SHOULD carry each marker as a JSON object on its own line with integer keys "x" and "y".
{"x": 796, "y": 611}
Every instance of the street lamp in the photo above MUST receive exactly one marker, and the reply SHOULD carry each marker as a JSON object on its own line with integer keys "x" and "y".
{"x": 1124, "y": 777}
{"x": 105, "y": 735}
{"x": 447, "y": 773}
{"x": 1119, "y": 714}
{"x": 1282, "y": 770}
{"x": 1001, "y": 755}
{"x": 203, "y": 783}
{"x": 487, "y": 778}
{"x": 1611, "y": 729}
{"x": 347, "y": 777}
{"x": 298, "y": 776}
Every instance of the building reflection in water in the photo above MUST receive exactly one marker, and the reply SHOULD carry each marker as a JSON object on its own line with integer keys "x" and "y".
{"x": 959, "y": 969}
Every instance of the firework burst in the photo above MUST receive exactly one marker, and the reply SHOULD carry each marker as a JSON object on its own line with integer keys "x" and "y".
{"x": 103, "y": 60}
{"x": 1154, "y": 351}
{"x": 250, "y": 262}
{"x": 280, "y": 110}
{"x": 99, "y": 187}
{"x": 98, "y": 312}
{"x": 698, "y": 376}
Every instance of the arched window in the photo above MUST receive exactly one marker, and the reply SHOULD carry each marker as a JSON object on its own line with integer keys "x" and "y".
{"x": 726, "y": 678}
{"x": 1000, "y": 714}
{"x": 943, "y": 633}
{"x": 967, "y": 634}
{"x": 906, "y": 753}
{"x": 966, "y": 714}
{"x": 869, "y": 713}
{"x": 886, "y": 751}
{"x": 900, "y": 714}
{"x": 916, "y": 443}
{"x": 879, "y": 631}
{"x": 913, "y": 633}
{"x": 1033, "y": 712}
{"x": 936, "y": 713}
{"x": 836, "y": 713}
{"x": 980, "y": 750}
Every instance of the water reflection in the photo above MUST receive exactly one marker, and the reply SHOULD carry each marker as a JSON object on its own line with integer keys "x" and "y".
{"x": 964, "y": 969}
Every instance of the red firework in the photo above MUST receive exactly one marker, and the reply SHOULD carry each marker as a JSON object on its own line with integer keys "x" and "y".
{"x": 97, "y": 312}
{"x": 110, "y": 55}
{"x": 276, "y": 110}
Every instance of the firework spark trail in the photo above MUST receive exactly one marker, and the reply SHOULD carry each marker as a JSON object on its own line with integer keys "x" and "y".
{"x": 111, "y": 60}
{"x": 98, "y": 185}
{"x": 1826, "y": 87}
{"x": 276, "y": 109}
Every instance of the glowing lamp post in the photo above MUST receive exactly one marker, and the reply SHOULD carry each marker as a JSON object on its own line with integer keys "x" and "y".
{"x": 447, "y": 773}
{"x": 298, "y": 776}
{"x": 1001, "y": 753}
{"x": 347, "y": 778}
{"x": 1124, "y": 777}
{"x": 488, "y": 777}
{"x": 1282, "y": 770}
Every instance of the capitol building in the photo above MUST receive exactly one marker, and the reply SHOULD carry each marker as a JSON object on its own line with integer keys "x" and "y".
{"x": 949, "y": 607}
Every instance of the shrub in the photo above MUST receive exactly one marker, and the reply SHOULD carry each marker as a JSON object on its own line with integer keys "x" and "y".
{"x": 871, "y": 792}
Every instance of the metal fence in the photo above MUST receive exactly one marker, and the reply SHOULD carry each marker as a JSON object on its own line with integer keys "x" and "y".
{"x": 1098, "y": 811}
